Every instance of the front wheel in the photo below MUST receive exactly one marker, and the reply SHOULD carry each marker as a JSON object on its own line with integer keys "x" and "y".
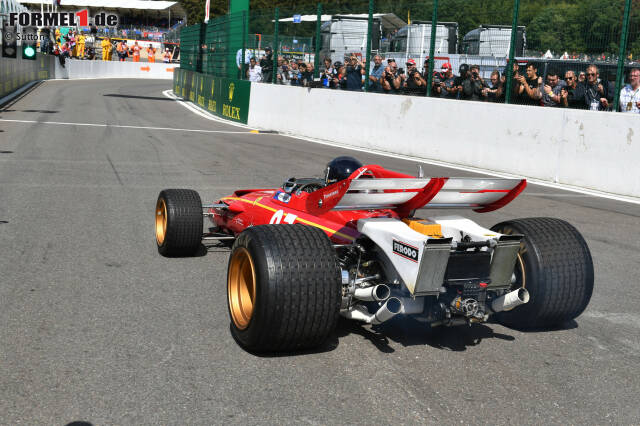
{"x": 179, "y": 222}
{"x": 555, "y": 266}
{"x": 283, "y": 288}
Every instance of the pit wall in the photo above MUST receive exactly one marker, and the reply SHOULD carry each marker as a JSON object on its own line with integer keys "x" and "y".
{"x": 593, "y": 150}
{"x": 113, "y": 69}
{"x": 224, "y": 97}
{"x": 16, "y": 72}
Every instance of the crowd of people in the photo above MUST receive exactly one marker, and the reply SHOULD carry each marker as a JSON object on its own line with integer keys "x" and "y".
{"x": 78, "y": 44}
{"x": 570, "y": 89}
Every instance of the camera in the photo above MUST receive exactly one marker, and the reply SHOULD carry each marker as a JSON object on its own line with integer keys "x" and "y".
{"x": 400, "y": 71}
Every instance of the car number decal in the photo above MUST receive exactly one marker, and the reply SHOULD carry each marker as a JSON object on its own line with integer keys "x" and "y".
{"x": 280, "y": 216}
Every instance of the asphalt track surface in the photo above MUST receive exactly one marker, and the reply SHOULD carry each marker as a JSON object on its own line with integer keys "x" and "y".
{"x": 96, "y": 326}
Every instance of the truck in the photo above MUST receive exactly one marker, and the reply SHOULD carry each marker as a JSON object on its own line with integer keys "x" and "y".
{"x": 414, "y": 41}
{"x": 493, "y": 40}
{"x": 344, "y": 35}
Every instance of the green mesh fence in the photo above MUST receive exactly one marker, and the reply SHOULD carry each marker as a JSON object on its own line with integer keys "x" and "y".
{"x": 191, "y": 47}
{"x": 441, "y": 48}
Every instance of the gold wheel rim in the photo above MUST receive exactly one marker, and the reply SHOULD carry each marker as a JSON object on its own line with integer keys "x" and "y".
{"x": 241, "y": 288}
{"x": 161, "y": 221}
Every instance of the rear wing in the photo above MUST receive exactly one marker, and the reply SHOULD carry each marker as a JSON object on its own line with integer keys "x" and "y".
{"x": 372, "y": 187}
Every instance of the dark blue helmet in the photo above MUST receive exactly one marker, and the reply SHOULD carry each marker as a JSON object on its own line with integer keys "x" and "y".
{"x": 340, "y": 168}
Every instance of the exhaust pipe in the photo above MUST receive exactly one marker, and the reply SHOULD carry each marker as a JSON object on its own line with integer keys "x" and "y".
{"x": 391, "y": 308}
{"x": 376, "y": 293}
{"x": 510, "y": 300}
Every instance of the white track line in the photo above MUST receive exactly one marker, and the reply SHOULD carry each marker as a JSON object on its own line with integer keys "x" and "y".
{"x": 121, "y": 126}
{"x": 201, "y": 112}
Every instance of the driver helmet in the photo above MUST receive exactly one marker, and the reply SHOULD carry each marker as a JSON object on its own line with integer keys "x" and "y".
{"x": 340, "y": 168}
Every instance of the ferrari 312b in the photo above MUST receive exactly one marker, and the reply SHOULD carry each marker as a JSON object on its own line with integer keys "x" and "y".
{"x": 356, "y": 244}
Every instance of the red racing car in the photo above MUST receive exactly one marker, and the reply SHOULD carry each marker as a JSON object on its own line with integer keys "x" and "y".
{"x": 353, "y": 244}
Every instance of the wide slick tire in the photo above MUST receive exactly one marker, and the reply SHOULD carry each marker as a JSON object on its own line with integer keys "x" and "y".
{"x": 554, "y": 265}
{"x": 283, "y": 288}
{"x": 179, "y": 222}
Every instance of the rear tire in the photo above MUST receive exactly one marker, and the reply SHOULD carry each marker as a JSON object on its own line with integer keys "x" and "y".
{"x": 179, "y": 222}
{"x": 555, "y": 266}
{"x": 283, "y": 288}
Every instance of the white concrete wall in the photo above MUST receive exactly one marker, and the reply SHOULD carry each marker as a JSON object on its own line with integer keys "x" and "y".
{"x": 594, "y": 150}
{"x": 113, "y": 69}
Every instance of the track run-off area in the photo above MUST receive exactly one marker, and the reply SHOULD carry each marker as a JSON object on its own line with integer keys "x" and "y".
{"x": 96, "y": 326}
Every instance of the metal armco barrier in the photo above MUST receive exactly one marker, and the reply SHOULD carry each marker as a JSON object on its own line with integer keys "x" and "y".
{"x": 15, "y": 73}
{"x": 224, "y": 97}
{"x": 113, "y": 69}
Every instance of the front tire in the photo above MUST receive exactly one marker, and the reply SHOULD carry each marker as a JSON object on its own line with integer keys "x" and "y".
{"x": 179, "y": 222}
{"x": 283, "y": 288}
{"x": 555, "y": 266}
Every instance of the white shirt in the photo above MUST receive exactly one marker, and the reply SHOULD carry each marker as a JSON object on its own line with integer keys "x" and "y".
{"x": 629, "y": 99}
{"x": 247, "y": 56}
{"x": 255, "y": 73}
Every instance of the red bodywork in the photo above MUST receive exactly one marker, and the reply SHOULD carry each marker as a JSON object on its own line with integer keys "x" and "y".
{"x": 251, "y": 207}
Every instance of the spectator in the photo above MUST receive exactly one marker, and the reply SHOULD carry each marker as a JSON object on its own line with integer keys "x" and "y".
{"x": 151, "y": 54}
{"x": 254, "y": 72}
{"x": 342, "y": 77}
{"x": 477, "y": 83}
{"x": 598, "y": 95}
{"x": 552, "y": 91}
{"x": 415, "y": 83}
{"x": 630, "y": 94}
{"x": 391, "y": 79}
{"x": 572, "y": 96}
{"x": 355, "y": 71}
{"x": 529, "y": 92}
{"x": 166, "y": 56}
{"x": 247, "y": 58}
{"x": 329, "y": 75}
{"x": 305, "y": 75}
{"x": 582, "y": 77}
{"x": 495, "y": 92}
{"x": 283, "y": 76}
{"x": 293, "y": 74}
{"x": 464, "y": 72}
{"x": 266, "y": 64}
{"x": 448, "y": 89}
{"x": 375, "y": 76}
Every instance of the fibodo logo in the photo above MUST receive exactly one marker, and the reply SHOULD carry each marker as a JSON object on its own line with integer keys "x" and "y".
{"x": 62, "y": 19}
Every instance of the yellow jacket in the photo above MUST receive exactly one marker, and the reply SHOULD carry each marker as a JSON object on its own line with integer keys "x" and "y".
{"x": 81, "y": 39}
{"x": 106, "y": 45}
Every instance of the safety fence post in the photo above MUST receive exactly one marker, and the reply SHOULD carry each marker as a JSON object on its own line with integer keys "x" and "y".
{"x": 367, "y": 66}
{"x": 624, "y": 38}
{"x": 316, "y": 59}
{"x": 243, "y": 70}
{"x": 276, "y": 42}
{"x": 512, "y": 51}
{"x": 432, "y": 47}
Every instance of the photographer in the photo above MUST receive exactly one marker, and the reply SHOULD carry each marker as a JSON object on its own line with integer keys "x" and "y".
{"x": 472, "y": 85}
{"x": 329, "y": 76}
{"x": 266, "y": 64}
{"x": 375, "y": 77}
{"x": 355, "y": 71}
{"x": 283, "y": 76}
{"x": 414, "y": 84}
{"x": 529, "y": 91}
{"x": 448, "y": 88}
{"x": 495, "y": 92}
{"x": 391, "y": 80}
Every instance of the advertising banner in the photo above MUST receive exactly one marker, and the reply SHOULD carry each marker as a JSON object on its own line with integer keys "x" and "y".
{"x": 225, "y": 97}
